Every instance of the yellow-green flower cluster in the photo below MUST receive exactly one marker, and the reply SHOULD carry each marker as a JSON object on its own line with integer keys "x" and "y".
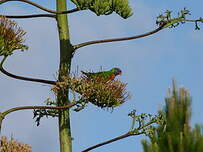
{"x": 106, "y": 7}
{"x": 11, "y": 37}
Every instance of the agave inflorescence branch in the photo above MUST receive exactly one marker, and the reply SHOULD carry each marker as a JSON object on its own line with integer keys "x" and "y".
{"x": 145, "y": 126}
{"x": 142, "y": 123}
{"x": 101, "y": 92}
{"x": 161, "y": 26}
{"x": 163, "y": 21}
{"x": 11, "y": 39}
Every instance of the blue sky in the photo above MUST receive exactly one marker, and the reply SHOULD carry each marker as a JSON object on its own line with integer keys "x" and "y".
{"x": 148, "y": 66}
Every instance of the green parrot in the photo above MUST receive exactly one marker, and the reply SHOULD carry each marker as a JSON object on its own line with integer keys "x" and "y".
{"x": 110, "y": 75}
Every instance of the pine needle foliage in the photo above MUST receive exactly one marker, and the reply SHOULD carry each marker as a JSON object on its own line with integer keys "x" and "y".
{"x": 105, "y": 7}
{"x": 13, "y": 146}
{"x": 98, "y": 91}
{"x": 176, "y": 135}
{"x": 11, "y": 37}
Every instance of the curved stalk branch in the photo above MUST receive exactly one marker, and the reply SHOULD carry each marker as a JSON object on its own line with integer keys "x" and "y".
{"x": 30, "y": 16}
{"x": 119, "y": 39}
{"x": 3, "y": 114}
{"x": 111, "y": 140}
{"x": 69, "y": 11}
{"x": 24, "y": 78}
{"x": 31, "y": 3}
{"x": 41, "y": 7}
{"x": 134, "y": 132}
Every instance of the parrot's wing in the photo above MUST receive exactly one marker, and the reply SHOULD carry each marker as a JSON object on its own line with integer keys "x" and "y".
{"x": 102, "y": 74}
{"x": 106, "y": 74}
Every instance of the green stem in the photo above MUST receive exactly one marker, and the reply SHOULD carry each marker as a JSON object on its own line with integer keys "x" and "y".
{"x": 66, "y": 50}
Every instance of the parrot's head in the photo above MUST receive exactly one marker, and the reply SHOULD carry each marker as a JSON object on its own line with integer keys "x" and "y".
{"x": 116, "y": 71}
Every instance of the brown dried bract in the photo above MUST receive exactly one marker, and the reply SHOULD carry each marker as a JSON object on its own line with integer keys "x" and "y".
{"x": 11, "y": 37}
{"x": 100, "y": 92}
{"x": 13, "y": 146}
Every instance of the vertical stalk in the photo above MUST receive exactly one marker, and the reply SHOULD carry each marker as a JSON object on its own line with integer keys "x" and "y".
{"x": 64, "y": 69}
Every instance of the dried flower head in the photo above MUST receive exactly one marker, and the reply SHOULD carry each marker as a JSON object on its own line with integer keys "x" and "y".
{"x": 11, "y": 37}
{"x": 98, "y": 91}
{"x": 13, "y": 146}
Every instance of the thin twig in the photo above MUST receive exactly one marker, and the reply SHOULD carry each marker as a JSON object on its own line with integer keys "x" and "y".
{"x": 41, "y": 7}
{"x": 24, "y": 78}
{"x": 190, "y": 20}
{"x": 30, "y": 16}
{"x": 119, "y": 39}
